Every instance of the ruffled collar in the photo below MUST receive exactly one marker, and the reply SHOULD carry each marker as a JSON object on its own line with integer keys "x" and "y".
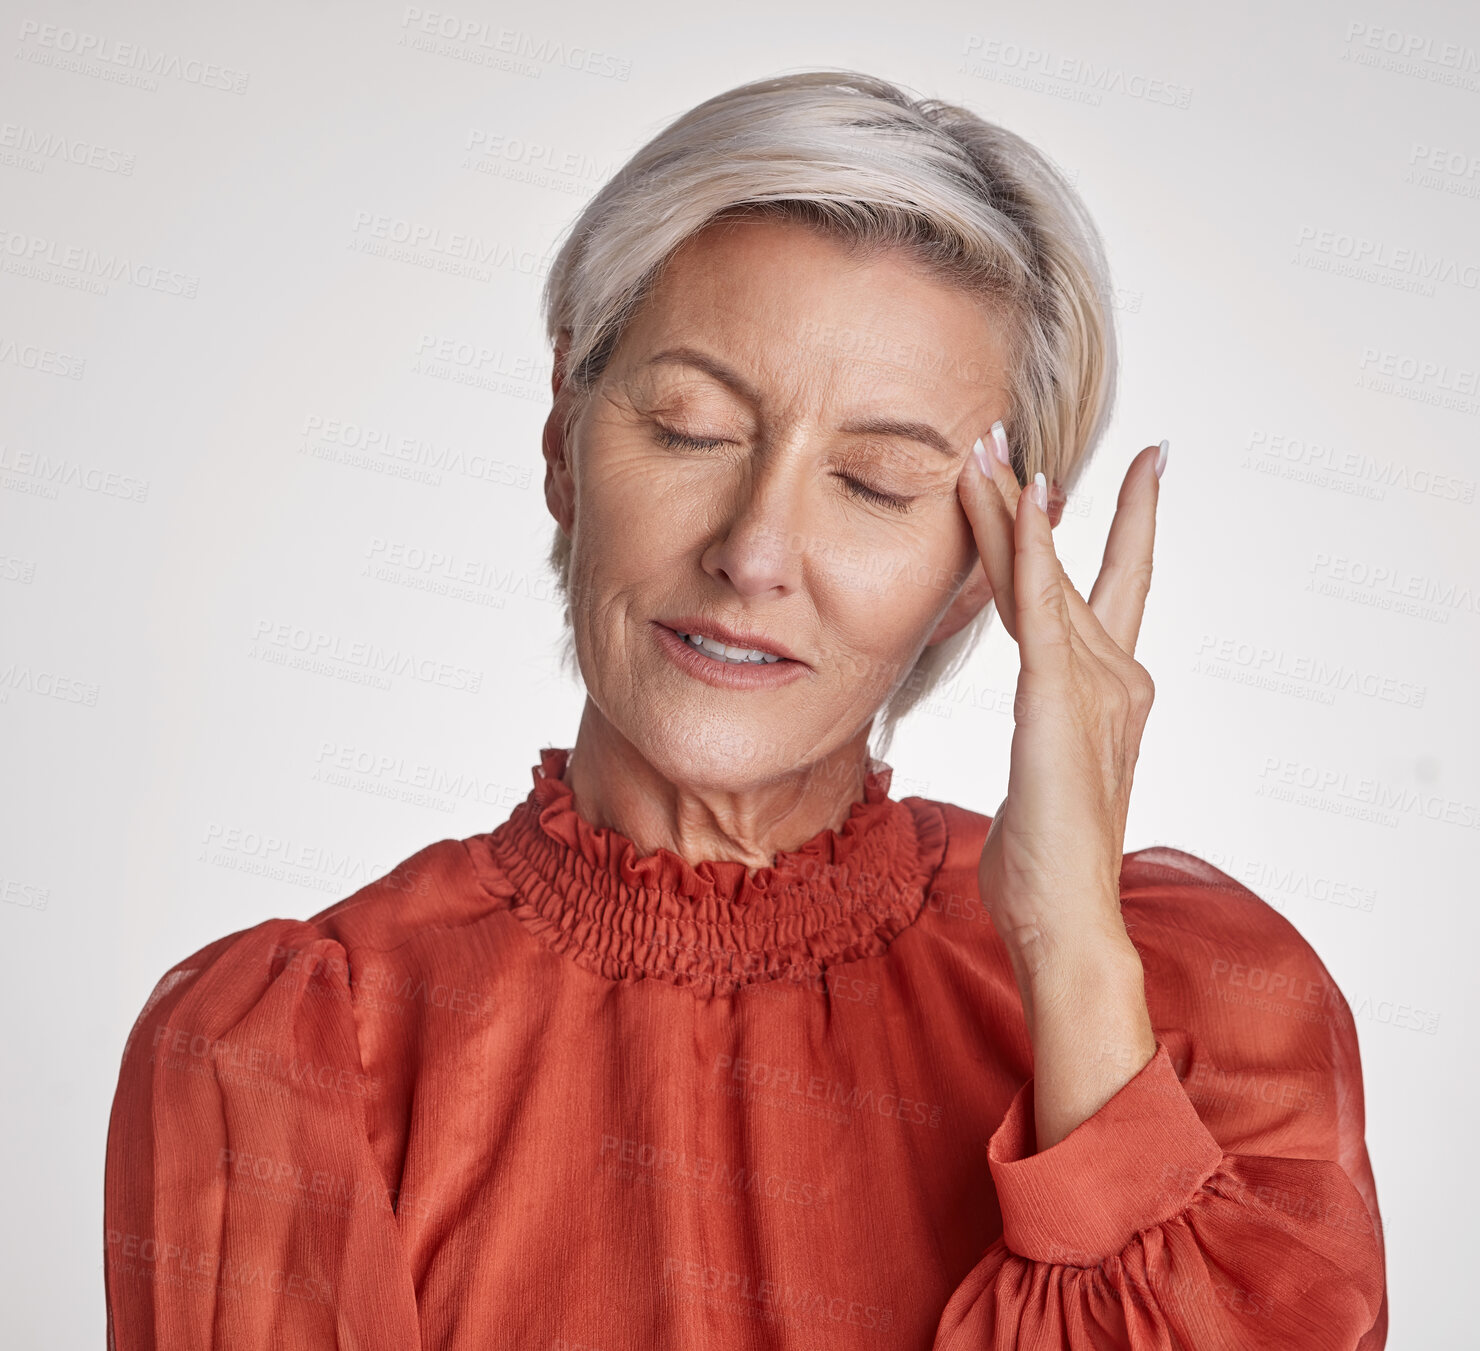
{"x": 714, "y": 925}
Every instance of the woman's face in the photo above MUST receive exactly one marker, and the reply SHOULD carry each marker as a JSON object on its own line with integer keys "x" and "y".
{"x": 747, "y": 461}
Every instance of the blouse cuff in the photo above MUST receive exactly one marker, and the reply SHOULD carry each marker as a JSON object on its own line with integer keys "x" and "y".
{"x": 1135, "y": 1163}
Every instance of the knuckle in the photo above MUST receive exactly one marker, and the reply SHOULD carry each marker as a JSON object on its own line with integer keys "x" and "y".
{"x": 1119, "y": 700}
{"x": 1139, "y": 575}
{"x": 1050, "y": 595}
{"x": 1142, "y": 687}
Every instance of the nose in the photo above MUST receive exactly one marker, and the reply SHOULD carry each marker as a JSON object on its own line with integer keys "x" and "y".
{"x": 761, "y": 542}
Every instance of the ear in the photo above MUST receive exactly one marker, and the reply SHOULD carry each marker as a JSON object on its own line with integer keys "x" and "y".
{"x": 560, "y": 494}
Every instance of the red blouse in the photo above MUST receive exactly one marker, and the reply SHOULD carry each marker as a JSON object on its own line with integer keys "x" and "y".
{"x": 534, "y": 1090}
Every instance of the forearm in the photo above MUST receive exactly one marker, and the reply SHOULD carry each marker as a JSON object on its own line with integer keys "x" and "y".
{"x": 1084, "y": 999}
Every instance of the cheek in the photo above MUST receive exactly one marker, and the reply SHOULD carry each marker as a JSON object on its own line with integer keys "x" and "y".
{"x": 632, "y": 520}
{"x": 879, "y": 605}
{"x": 901, "y": 572}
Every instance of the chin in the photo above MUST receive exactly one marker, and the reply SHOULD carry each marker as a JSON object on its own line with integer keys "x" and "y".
{"x": 727, "y": 753}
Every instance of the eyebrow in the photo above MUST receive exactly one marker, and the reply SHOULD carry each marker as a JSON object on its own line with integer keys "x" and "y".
{"x": 922, "y": 432}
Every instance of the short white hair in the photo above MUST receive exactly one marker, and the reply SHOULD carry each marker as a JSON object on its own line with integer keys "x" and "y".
{"x": 878, "y": 168}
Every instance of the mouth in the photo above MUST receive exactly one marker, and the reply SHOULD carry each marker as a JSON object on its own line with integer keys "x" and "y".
{"x": 729, "y": 646}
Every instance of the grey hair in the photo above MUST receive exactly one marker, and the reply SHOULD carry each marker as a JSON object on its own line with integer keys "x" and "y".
{"x": 876, "y": 167}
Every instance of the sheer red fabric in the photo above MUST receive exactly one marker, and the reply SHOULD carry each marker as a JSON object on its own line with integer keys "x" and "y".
{"x": 532, "y": 1089}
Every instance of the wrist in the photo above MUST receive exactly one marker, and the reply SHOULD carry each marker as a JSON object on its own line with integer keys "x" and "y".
{"x": 1088, "y": 995}
{"x": 1091, "y": 1033}
{"x": 1045, "y": 959}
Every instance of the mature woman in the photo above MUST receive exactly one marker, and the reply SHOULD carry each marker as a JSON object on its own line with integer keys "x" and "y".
{"x": 714, "y": 1043}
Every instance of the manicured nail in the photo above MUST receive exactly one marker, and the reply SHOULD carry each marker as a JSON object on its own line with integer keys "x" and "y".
{"x": 999, "y": 443}
{"x": 1039, "y": 491}
{"x": 980, "y": 451}
{"x": 1161, "y": 458}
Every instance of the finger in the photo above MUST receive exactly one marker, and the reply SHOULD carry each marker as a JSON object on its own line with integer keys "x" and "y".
{"x": 1045, "y": 629}
{"x": 992, "y": 527}
{"x": 1118, "y": 597}
{"x": 1088, "y": 634}
{"x": 1061, "y": 629}
{"x": 999, "y": 460}
{"x": 1081, "y": 617}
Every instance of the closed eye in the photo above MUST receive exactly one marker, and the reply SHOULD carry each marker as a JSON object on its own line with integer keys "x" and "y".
{"x": 678, "y": 441}
{"x": 868, "y": 494}
{"x": 666, "y": 436}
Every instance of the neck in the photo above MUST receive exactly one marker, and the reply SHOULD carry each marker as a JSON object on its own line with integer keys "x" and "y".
{"x": 748, "y": 821}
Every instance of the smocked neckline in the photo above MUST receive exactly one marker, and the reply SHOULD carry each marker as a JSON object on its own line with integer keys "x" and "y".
{"x": 714, "y": 925}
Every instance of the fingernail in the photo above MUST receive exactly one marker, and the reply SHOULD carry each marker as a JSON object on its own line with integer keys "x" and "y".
{"x": 980, "y": 451}
{"x": 999, "y": 443}
{"x": 1161, "y": 458}
{"x": 1039, "y": 491}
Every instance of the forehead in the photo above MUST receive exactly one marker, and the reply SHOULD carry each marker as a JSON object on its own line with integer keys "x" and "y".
{"x": 799, "y": 310}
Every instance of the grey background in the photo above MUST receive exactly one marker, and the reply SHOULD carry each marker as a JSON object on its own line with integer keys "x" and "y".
{"x": 207, "y": 456}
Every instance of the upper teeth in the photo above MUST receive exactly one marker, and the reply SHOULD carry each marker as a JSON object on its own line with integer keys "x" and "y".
{"x": 724, "y": 651}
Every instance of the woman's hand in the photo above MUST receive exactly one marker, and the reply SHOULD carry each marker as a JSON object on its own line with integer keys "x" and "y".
{"x": 1050, "y": 869}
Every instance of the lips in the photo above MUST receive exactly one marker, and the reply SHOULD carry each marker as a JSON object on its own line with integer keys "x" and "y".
{"x": 723, "y": 633}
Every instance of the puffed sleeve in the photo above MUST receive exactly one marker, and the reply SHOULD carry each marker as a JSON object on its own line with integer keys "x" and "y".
{"x": 1223, "y": 1198}
{"x": 243, "y": 1205}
